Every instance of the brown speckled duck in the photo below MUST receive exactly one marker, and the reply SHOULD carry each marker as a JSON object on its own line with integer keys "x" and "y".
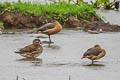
{"x": 31, "y": 51}
{"x": 94, "y": 53}
{"x": 50, "y": 28}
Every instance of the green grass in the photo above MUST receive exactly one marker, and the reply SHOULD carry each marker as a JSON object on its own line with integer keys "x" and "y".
{"x": 1, "y": 24}
{"x": 60, "y": 11}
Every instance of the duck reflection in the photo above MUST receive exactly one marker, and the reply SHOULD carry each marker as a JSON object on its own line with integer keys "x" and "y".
{"x": 99, "y": 65}
{"x": 94, "y": 66}
{"x": 46, "y": 42}
{"x": 55, "y": 47}
{"x": 29, "y": 59}
{"x": 35, "y": 61}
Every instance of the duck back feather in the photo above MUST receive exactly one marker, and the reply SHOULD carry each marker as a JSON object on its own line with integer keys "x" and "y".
{"x": 91, "y": 51}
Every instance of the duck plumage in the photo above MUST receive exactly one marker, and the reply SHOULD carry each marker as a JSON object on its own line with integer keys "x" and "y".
{"x": 91, "y": 51}
{"x": 32, "y": 50}
{"x": 94, "y": 53}
{"x": 50, "y": 28}
{"x": 46, "y": 27}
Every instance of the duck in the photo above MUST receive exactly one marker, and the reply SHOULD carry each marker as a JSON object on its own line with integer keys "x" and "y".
{"x": 31, "y": 51}
{"x": 94, "y": 53}
{"x": 50, "y": 29}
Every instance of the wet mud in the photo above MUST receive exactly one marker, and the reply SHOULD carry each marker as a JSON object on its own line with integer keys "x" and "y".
{"x": 17, "y": 20}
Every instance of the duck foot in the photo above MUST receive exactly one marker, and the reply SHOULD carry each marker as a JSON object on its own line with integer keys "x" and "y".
{"x": 47, "y": 42}
{"x": 94, "y": 61}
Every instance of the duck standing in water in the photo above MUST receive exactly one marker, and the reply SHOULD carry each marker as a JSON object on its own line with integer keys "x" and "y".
{"x": 50, "y": 29}
{"x": 31, "y": 51}
{"x": 94, "y": 53}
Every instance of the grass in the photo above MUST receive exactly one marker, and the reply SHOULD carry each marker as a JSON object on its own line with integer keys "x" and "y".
{"x": 1, "y": 24}
{"x": 60, "y": 11}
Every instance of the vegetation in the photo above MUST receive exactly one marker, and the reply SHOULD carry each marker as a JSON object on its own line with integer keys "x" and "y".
{"x": 1, "y": 24}
{"x": 102, "y": 2}
{"x": 60, "y": 11}
{"x": 106, "y": 4}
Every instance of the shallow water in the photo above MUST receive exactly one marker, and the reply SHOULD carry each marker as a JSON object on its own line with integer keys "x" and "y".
{"x": 111, "y": 16}
{"x": 62, "y": 59}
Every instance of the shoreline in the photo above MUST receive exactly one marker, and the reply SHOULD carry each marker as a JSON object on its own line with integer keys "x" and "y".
{"x": 15, "y": 18}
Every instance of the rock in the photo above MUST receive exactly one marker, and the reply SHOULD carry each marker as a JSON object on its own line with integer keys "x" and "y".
{"x": 93, "y": 32}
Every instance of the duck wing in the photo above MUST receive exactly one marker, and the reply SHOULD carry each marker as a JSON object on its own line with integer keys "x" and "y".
{"x": 46, "y": 27}
{"x": 21, "y": 51}
{"x": 91, "y": 51}
{"x": 27, "y": 49}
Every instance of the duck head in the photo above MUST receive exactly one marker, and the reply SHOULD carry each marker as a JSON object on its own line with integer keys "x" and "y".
{"x": 97, "y": 47}
{"x": 36, "y": 42}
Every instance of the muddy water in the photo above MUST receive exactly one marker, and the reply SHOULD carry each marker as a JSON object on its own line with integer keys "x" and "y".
{"x": 62, "y": 59}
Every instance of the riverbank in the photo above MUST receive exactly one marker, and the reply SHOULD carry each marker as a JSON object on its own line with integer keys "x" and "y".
{"x": 28, "y": 16}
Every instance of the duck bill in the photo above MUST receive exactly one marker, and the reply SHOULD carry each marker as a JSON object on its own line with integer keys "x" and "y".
{"x": 83, "y": 57}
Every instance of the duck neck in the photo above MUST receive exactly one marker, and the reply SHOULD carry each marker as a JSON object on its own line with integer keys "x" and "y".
{"x": 36, "y": 45}
{"x": 57, "y": 23}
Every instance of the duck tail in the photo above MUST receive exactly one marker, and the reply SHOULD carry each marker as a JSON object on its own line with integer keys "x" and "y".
{"x": 42, "y": 29}
{"x": 83, "y": 57}
{"x": 17, "y": 51}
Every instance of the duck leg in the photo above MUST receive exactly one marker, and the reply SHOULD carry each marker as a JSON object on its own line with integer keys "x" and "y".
{"x": 48, "y": 42}
{"x": 92, "y": 61}
{"x": 49, "y": 39}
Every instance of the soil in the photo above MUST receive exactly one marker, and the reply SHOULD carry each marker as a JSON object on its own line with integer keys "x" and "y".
{"x": 17, "y": 20}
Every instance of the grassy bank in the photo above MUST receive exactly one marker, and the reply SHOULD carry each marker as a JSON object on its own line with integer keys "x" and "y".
{"x": 60, "y": 11}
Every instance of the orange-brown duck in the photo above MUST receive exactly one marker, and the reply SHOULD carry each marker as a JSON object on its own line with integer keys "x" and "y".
{"x": 31, "y": 51}
{"x": 50, "y": 28}
{"x": 94, "y": 53}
